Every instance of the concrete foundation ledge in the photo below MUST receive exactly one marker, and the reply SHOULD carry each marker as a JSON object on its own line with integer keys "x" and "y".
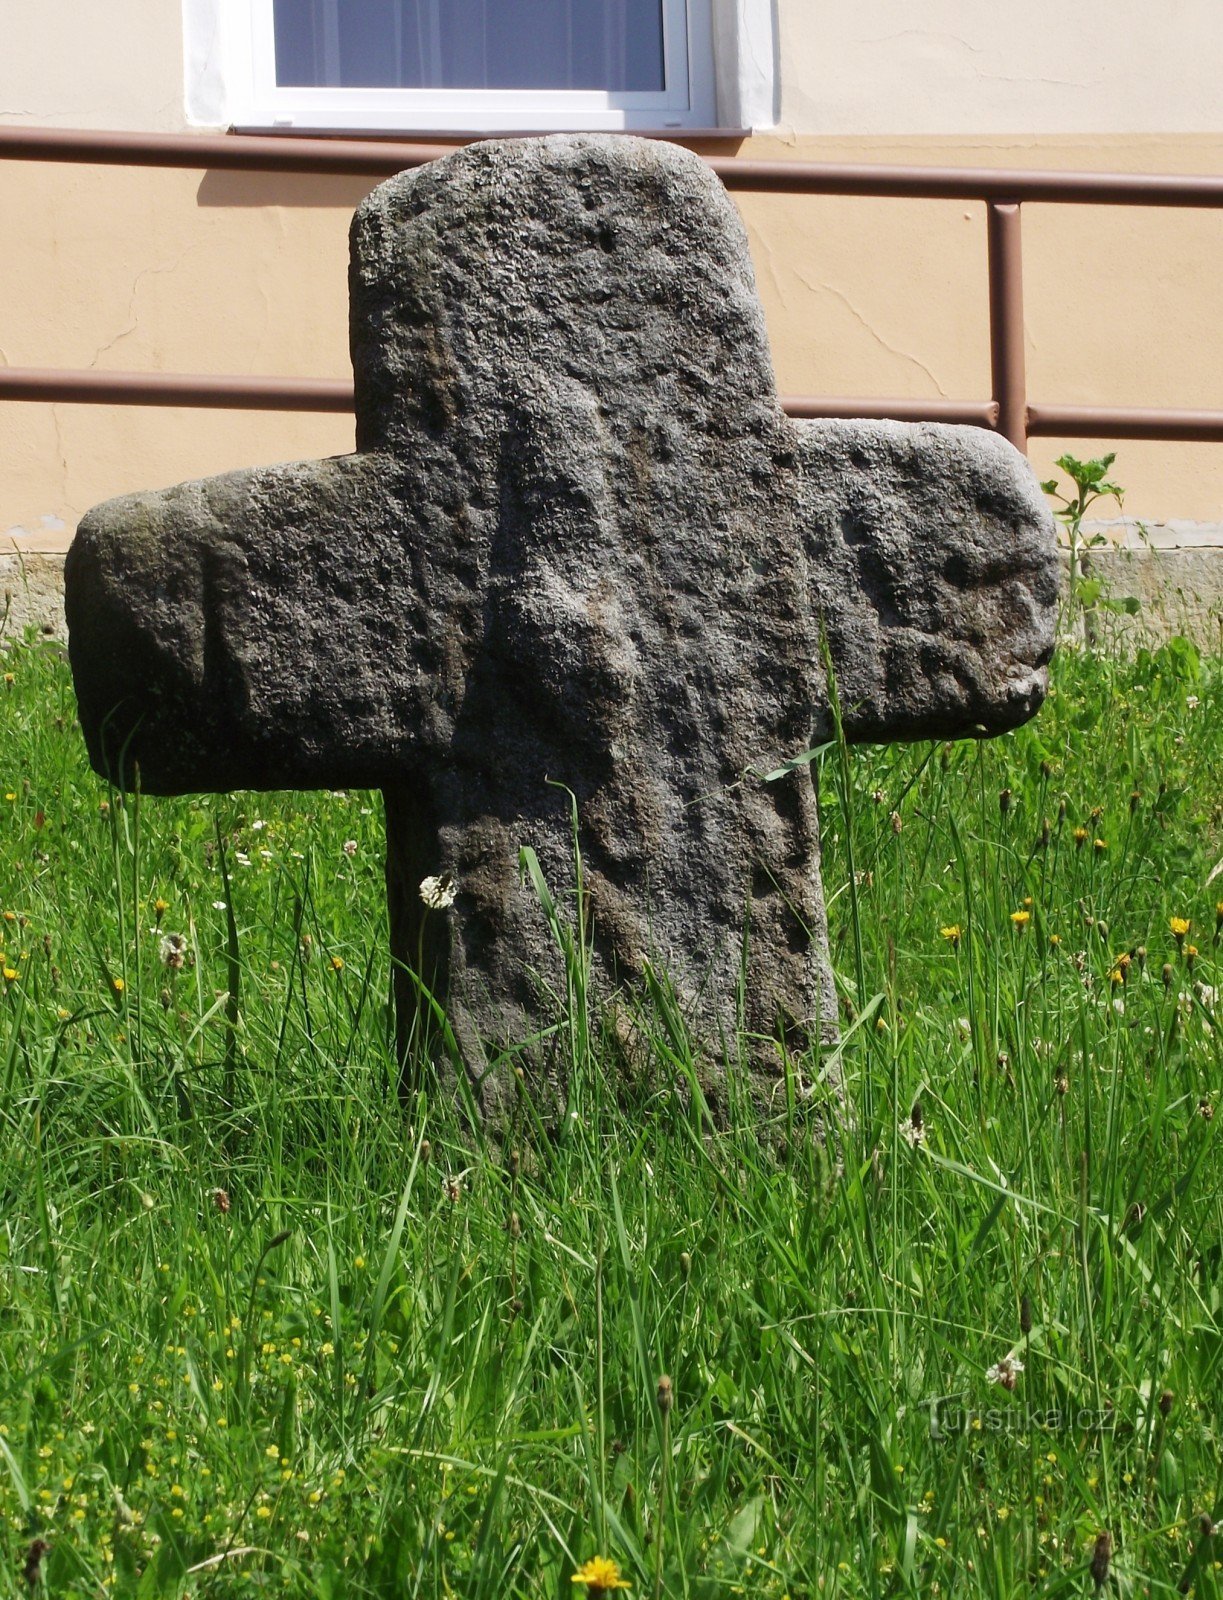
{"x": 32, "y": 584}
{"x": 1173, "y": 569}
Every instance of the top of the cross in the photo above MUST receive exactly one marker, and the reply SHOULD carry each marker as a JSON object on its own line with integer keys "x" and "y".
{"x": 579, "y": 530}
{"x": 616, "y": 263}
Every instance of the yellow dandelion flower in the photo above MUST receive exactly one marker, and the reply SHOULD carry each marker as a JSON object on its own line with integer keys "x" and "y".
{"x": 1021, "y": 918}
{"x": 599, "y": 1575}
{"x": 1100, "y": 846}
{"x": 1180, "y": 927}
{"x": 337, "y": 963}
{"x": 1055, "y": 939}
{"x": 119, "y": 985}
{"x": 11, "y": 974}
{"x": 953, "y": 933}
{"x": 1080, "y": 838}
{"x": 263, "y": 1511}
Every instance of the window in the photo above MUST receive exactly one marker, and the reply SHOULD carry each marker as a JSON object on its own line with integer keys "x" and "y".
{"x": 462, "y": 65}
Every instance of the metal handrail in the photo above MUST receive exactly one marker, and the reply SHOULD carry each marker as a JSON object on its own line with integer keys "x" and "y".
{"x": 1003, "y": 192}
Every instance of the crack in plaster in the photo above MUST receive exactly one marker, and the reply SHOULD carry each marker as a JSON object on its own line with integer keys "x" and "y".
{"x": 133, "y": 319}
{"x": 895, "y": 350}
{"x": 764, "y": 256}
{"x": 980, "y": 50}
{"x": 57, "y": 425}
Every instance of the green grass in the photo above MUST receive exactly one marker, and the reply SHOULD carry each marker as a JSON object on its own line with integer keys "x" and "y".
{"x": 260, "y": 1331}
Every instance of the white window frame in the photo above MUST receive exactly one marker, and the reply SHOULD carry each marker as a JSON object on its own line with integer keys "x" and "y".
{"x": 233, "y": 65}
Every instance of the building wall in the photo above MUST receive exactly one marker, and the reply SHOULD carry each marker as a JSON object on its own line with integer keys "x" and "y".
{"x": 220, "y": 272}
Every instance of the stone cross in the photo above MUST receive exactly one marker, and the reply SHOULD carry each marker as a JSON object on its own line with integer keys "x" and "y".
{"x": 579, "y": 556}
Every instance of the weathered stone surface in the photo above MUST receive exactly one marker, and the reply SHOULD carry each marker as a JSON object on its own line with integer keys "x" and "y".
{"x": 579, "y": 545}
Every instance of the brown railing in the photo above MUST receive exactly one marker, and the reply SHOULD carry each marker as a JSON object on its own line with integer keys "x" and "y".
{"x": 1008, "y": 411}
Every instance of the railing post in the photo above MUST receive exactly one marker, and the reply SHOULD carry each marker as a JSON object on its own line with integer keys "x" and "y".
{"x": 1006, "y": 321}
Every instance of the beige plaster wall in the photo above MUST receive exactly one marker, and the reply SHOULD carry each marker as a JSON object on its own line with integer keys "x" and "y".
{"x": 989, "y": 67}
{"x": 963, "y": 67}
{"x": 92, "y": 64}
{"x": 191, "y": 271}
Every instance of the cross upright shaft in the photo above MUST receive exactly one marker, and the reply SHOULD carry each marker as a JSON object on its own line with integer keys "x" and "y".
{"x": 579, "y": 548}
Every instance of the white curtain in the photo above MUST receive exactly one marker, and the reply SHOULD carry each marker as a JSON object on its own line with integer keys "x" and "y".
{"x": 615, "y": 45}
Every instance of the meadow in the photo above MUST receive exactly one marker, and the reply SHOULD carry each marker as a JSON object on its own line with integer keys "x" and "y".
{"x": 262, "y": 1330}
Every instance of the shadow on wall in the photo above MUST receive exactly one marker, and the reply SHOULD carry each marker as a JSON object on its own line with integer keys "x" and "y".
{"x": 267, "y": 189}
{"x": 344, "y": 192}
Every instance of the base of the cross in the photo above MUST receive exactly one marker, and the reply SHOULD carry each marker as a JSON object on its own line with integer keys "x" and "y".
{"x": 478, "y": 978}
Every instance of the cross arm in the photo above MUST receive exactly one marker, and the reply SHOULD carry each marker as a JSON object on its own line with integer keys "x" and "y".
{"x": 933, "y": 570}
{"x": 261, "y": 629}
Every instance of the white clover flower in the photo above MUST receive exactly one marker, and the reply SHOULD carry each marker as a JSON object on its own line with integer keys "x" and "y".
{"x": 173, "y": 951}
{"x": 219, "y": 905}
{"x": 438, "y": 893}
{"x": 350, "y": 847}
{"x": 1192, "y": 702}
{"x": 1005, "y": 1372}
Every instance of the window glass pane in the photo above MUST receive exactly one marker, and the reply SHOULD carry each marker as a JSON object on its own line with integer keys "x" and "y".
{"x": 470, "y": 44}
